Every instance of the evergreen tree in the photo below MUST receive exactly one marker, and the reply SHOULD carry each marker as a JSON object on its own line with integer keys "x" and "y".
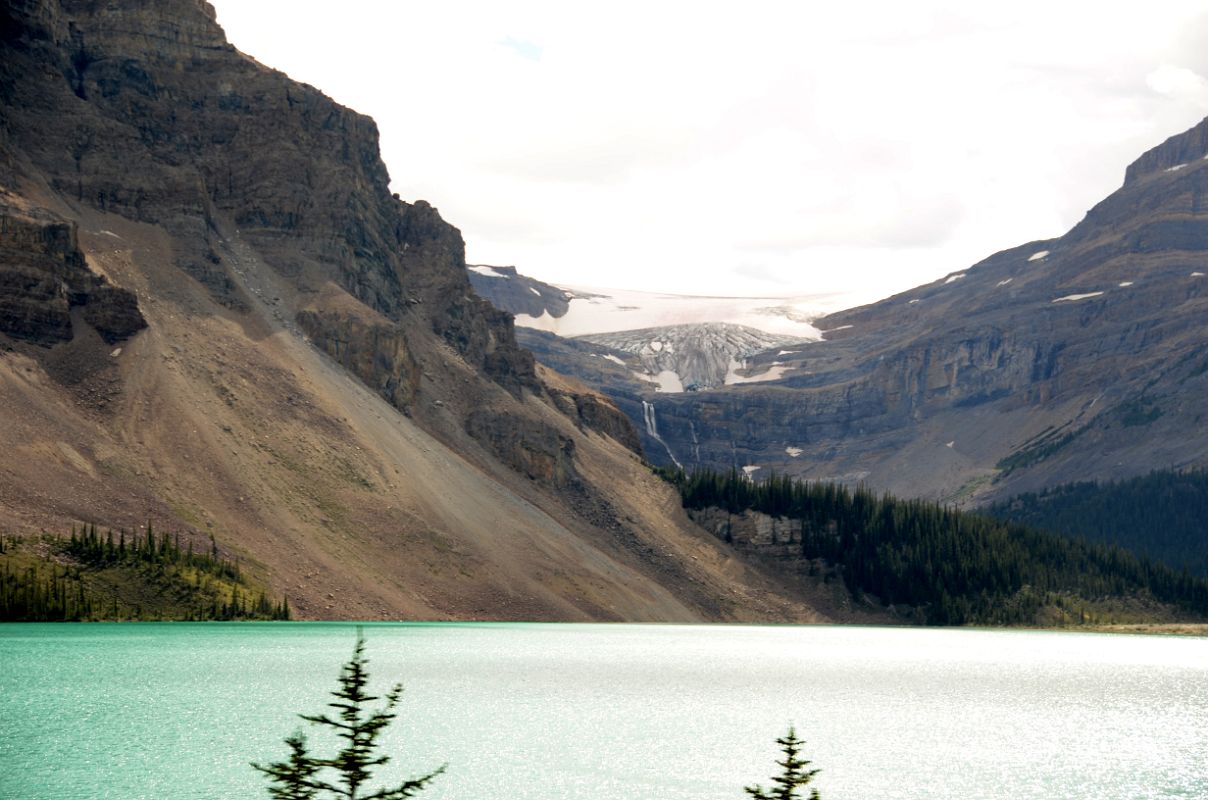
{"x": 793, "y": 775}
{"x": 293, "y": 779}
{"x": 360, "y": 728}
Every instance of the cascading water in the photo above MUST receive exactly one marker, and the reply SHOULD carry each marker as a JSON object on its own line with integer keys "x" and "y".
{"x": 652, "y": 430}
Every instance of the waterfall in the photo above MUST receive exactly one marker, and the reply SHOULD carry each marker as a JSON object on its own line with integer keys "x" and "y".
{"x": 652, "y": 430}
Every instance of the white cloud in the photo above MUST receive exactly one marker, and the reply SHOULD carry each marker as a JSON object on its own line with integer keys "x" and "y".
{"x": 1179, "y": 83}
{"x": 786, "y": 147}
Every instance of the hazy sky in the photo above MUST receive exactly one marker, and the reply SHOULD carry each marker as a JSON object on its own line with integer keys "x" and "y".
{"x": 779, "y": 147}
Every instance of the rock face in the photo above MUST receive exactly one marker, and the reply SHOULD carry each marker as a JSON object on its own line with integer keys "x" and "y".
{"x": 43, "y": 276}
{"x": 518, "y": 294}
{"x": 534, "y": 449}
{"x": 222, "y": 142}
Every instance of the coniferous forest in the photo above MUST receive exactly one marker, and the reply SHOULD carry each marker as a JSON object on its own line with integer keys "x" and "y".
{"x": 951, "y": 567}
{"x": 1163, "y": 515}
{"x": 120, "y": 576}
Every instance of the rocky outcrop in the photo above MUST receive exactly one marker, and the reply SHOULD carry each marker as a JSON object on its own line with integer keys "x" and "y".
{"x": 1180, "y": 149}
{"x": 43, "y": 276}
{"x": 518, "y": 294}
{"x": 376, "y": 352}
{"x": 596, "y": 412}
{"x": 529, "y": 446}
{"x": 775, "y": 539}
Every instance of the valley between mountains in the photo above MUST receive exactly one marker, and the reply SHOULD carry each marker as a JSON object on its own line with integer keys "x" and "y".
{"x": 217, "y": 320}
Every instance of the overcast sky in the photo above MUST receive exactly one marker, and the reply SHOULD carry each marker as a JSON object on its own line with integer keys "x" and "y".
{"x": 754, "y": 148}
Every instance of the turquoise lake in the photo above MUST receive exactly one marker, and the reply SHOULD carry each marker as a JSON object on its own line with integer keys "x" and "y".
{"x": 648, "y": 712}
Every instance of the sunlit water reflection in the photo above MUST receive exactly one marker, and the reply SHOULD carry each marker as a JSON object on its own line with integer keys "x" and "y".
{"x": 170, "y": 711}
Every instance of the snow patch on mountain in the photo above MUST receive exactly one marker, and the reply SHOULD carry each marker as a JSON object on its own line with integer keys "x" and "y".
{"x": 1073, "y": 297}
{"x": 734, "y": 376}
{"x": 490, "y": 272}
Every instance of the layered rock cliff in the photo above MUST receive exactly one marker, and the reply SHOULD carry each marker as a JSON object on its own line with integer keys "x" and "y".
{"x": 44, "y": 276}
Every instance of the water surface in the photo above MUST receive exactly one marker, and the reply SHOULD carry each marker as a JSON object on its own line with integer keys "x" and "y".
{"x": 537, "y": 712}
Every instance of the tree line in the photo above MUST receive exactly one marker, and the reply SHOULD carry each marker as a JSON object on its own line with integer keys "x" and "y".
{"x": 953, "y": 567}
{"x": 1161, "y": 515}
{"x": 90, "y": 576}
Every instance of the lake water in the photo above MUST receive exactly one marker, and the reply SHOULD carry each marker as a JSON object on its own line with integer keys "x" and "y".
{"x": 646, "y": 712}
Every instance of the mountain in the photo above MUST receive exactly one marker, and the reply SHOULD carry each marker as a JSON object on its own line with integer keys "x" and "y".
{"x": 1076, "y": 358}
{"x": 216, "y": 319}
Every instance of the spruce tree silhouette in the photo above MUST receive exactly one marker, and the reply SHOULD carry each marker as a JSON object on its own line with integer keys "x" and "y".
{"x": 303, "y": 777}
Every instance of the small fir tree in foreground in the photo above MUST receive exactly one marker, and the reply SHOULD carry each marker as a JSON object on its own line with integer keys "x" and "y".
{"x": 794, "y": 773}
{"x": 303, "y": 777}
{"x": 293, "y": 779}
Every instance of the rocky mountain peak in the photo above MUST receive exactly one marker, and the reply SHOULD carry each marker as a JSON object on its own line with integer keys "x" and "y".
{"x": 1173, "y": 154}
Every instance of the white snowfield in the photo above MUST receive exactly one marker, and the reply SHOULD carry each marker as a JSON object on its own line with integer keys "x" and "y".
{"x": 666, "y": 381}
{"x": 1038, "y": 256}
{"x": 774, "y": 372}
{"x": 955, "y": 277}
{"x": 1197, "y": 274}
{"x": 1175, "y": 168}
{"x": 793, "y": 452}
{"x": 1125, "y": 284}
{"x": 490, "y": 272}
{"x": 1072, "y": 297}
{"x": 1004, "y": 283}
{"x": 613, "y": 310}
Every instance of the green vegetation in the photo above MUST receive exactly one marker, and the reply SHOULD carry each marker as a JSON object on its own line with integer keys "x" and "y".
{"x": 793, "y": 773}
{"x": 302, "y": 777}
{"x": 951, "y": 567}
{"x": 1137, "y": 413}
{"x": 1038, "y": 449}
{"x": 90, "y": 576}
{"x": 1162, "y": 515}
